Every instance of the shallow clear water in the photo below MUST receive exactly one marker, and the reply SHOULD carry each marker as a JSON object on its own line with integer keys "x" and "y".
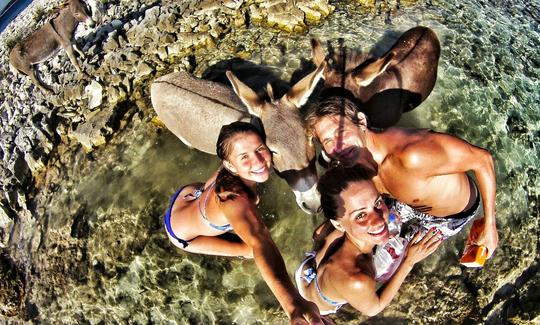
{"x": 487, "y": 92}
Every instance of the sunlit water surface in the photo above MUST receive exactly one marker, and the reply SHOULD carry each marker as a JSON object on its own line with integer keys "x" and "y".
{"x": 487, "y": 92}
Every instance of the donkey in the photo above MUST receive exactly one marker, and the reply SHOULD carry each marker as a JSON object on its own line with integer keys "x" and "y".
{"x": 388, "y": 86}
{"x": 49, "y": 39}
{"x": 195, "y": 110}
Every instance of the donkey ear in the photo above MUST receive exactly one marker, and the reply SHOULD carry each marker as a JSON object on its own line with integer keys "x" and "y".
{"x": 250, "y": 98}
{"x": 301, "y": 91}
{"x": 270, "y": 91}
{"x": 317, "y": 51}
{"x": 364, "y": 75}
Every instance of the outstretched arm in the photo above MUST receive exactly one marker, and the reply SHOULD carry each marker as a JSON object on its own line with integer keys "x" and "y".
{"x": 247, "y": 224}
{"x": 443, "y": 154}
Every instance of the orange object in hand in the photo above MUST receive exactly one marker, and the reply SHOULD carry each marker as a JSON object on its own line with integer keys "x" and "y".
{"x": 474, "y": 255}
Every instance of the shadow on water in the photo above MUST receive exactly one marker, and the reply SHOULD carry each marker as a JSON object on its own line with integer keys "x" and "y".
{"x": 381, "y": 109}
{"x": 254, "y": 75}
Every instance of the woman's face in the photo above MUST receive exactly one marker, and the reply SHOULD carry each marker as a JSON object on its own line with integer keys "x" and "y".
{"x": 364, "y": 213}
{"x": 249, "y": 157}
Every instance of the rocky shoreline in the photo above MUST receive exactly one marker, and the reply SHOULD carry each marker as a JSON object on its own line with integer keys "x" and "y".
{"x": 45, "y": 136}
{"x": 134, "y": 42}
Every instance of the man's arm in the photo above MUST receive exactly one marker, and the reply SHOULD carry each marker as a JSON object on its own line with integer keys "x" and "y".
{"x": 443, "y": 154}
{"x": 246, "y": 222}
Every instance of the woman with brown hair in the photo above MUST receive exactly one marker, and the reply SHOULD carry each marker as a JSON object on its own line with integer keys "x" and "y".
{"x": 344, "y": 270}
{"x": 199, "y": 215}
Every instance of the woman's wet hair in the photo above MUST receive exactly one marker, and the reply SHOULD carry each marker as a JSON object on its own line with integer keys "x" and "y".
{"x": 228, "y": 185}
{"x": 227, "y": 132}
{"x": 335, "y": 181}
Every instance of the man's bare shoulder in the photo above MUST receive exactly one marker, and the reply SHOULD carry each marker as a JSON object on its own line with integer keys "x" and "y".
{"x": 410, "y": 147}
{"x": 400, "y": 137}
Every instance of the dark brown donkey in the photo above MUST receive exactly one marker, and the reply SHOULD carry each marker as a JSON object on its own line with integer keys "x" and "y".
{"x": 388, "y": 86}
{"x": 49, "y": 39}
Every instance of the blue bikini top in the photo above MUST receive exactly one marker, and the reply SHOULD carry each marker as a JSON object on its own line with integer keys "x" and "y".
{"x": 310, "y": 274}
{"x": 202, "y": 210}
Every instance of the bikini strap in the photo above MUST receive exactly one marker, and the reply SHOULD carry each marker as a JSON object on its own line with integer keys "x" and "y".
{"x": 310, "y": 275}
{"x": 202, "y": 209}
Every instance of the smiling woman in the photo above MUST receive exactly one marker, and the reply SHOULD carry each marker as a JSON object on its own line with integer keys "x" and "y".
{"x": 344, "y": 270}
{"x": 200, "y": 216}
{"x": 197, "y": 215}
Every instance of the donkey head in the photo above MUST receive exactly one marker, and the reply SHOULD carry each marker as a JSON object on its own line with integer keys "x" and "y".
{"x": 82, "y": 12}
{"x": 293, "y": 152}
{"x": 349, "y": 69}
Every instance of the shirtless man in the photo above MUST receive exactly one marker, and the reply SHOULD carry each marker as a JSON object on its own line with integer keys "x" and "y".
{"x": 423, "y": 169}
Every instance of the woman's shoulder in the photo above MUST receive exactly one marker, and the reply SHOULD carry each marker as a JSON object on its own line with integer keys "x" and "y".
{"x": 235, "y": 203}
{"x": 212, "y": 180}
{"x": 229, "y": 187}
{"x": 349, "y": 276}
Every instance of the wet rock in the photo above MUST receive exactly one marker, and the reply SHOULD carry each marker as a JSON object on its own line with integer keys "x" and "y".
{"x": 35, "y": 146}
{"x": 19, "y": 168}
{"x": 116, "y": 95}
{"x": 73, "y": 92}
{"x": 111, "y": 44}
{"x": 290, "y": 16}
{"x": 167, "y": 22}
{"x": 117, "y": 24}
{"x": 80, "y": 227}
{"x": 288, "y": 19}
{"x": 36, "y": 162}
{"x": 6, "y": 223}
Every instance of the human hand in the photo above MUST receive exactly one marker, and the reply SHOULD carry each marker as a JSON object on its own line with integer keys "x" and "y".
{"x": 421, "y": 247}
{"x": 307, "y": 312}
{"x": 483, "y": 233}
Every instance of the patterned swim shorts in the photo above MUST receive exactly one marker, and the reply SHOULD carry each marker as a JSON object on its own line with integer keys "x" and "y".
{"x": 449, "y": 226}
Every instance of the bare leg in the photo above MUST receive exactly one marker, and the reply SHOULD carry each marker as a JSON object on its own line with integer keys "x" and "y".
{"x": 227, "y": 244}
{"x": 218, "y": 246}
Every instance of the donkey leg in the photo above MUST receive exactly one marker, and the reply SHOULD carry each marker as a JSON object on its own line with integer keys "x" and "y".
{"x": 78, "y": 50}
{"x": 38, "y": 82}
{"x": 73, "y": 60}
{"x": 69, "y": 50}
